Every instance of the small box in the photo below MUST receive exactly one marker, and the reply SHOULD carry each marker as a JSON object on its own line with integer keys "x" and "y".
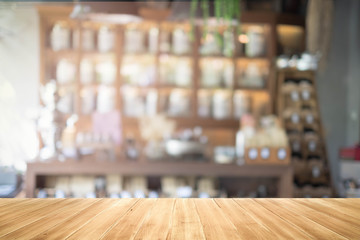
{"x": 267, "y": 155}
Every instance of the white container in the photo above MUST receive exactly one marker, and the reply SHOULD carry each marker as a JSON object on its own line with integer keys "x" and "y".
{"x": 106, "y": 72}
{"x": 105, "y": 99}
{"x": 242, "y": 104}
{"x": 87, "y": 100}
{"x": 179, "y": 103}
{"x": 134, "y": 105}
{"x": 228, "y": 74}
{"x": 183, "y": 73}
{"x": 211, "y": 73}
{"x": 181, "y": 43}
{"x": 151, "y": 102}
{"x": 134, "y": 41}
{"x": 252, "y": 77}
{"x": 65, "y": 71}
{"x": 88, "y": 39}
{"x": 106, "y": 39}
{"x": 60, "y": 37}
{"x": 153, "y": 39}
{"x": 204, "y": 103}
{"x": 221, "y": 104}
{"x": 256, "y": 45}
{"x": 87, "y": 71}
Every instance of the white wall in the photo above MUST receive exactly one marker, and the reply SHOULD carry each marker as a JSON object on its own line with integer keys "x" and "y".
{"x": 19, "y": 78}
{"x": 19, "y": 52}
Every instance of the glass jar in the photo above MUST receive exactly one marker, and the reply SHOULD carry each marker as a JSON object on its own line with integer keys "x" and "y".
{"x": 60, "y": 36}
{"x": 106, "y": 39}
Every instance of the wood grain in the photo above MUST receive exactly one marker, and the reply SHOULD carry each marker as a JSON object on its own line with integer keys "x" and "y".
{"x": 64, "y": 229}
{"x": 50, "y": 220}
{"x": 102, "y": 222}
{"x": 185, "y": 222}
{"x": 248, "y": 226}
{"x": 14, "y": 226}
{"x": 6, "y": 209}
{"x": 313, "y": 229}
{"x": 214, "y": 221}
{"x": 323, "y": 219}
{"x": 282, "y": 229}
{"x": 130, "y": 224}
{"x": 180, "y": 219}
{"x": 158, "y": 224}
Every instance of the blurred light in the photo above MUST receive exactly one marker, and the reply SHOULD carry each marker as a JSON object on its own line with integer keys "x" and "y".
{"x": 209, "y": 37}
{"x": 243, "y": 38}
{"x": 80, "y": 11}
{"x": 114, "y": 18}
{"x": 7, "y": 92}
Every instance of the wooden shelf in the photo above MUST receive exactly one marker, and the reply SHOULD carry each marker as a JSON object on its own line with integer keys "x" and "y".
{"x": 191, "y": 122}
{"x": 50, "y": 14}
{"x": 242, "y": 58}
{"x": 66, "y": 53}
{"x": 262, "y": 17}
{"x": 157, "y": 168}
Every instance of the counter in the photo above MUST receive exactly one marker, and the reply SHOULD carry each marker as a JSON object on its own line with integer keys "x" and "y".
{"x": 180, "y": 218}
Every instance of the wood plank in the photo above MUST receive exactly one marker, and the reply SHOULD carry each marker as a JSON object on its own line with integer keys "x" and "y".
{"x": 7, "y": 206}
{"x": 215, "y": 223}
{"x": 30, "y": 223}
{"x": 335, "y": 212}
{"x": 10, "y": 223}
{"x": 25, "y": 208}
{"x": 349, "y": 202}
{"x": 50, "y": 220}
{"x": 64, "y": 229}
{"x": 312, "y": 228}
{"x": 8, "y": 201}
{"x": 158, "y": 224}
{"x": 352, "y": 210}
{"x": 325, "y": 220}
{"x": 181, "y": 219}
{"x": 103, "y": 222}
{"x": 129, "y": 225}
{"x": 248, "y": 227}
{"x": 186, "y": 222}
{"x": 349, "y": 221}
{"x": 282, "y": 229}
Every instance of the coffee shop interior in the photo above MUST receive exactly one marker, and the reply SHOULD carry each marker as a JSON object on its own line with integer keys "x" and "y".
{"x": 185, "y": 99}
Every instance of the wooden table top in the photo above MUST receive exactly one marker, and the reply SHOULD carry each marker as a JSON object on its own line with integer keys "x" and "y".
{"x": 179, "y": 218}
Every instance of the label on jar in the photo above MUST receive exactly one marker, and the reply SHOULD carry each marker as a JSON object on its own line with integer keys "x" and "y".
{"x": 281, "y": 154}
{"x": 309, "y": 119}
{"x": 295, "y": 118}
{"x": 294, "y": 96}
{"x": 315, "y": 171}
{"x": 253, "y": 153}
{"x": 265, "y": 153}
{"x": 305, "y": 95}
{"x": 312, "y": 146}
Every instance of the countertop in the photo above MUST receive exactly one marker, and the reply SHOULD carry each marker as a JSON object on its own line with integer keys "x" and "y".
{"x": 180, "y": 218}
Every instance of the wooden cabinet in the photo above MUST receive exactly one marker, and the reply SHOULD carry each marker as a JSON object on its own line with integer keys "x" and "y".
{"x": 298, "y": 107}
{"x": 200, "y": 77}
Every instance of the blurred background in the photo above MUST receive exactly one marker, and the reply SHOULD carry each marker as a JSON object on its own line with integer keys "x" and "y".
{"x": 211, "y": 98}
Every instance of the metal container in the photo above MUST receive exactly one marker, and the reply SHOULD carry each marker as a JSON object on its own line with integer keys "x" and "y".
{"x": 178, "y": 148}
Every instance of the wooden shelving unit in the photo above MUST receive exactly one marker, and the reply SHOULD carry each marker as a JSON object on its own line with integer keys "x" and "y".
{"x": 221, "y": 131}
{"x": 49, "y": 15}
{"x": 309, "y": 160}
{"x": 159, "y": 168}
